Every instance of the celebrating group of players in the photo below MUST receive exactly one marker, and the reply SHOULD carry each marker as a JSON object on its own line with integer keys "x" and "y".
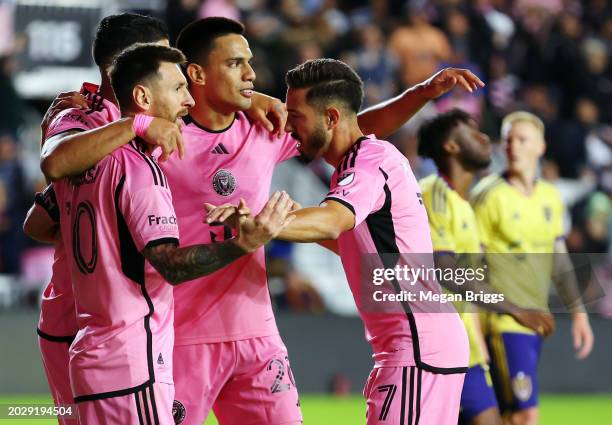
{"x": 137, "y": 329}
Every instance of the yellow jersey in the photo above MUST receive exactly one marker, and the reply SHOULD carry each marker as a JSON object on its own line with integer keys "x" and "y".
{"x": 453, "y": 228}
{"x": 518, "y": 233}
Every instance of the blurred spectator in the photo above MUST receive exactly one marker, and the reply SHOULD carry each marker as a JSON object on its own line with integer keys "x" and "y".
{"x": 374, "y": 65}
{"x": 419, "y": 47}
{"x": 13, "y": 206}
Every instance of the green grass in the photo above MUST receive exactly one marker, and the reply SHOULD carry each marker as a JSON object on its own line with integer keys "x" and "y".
{"x": 324, "y": 410}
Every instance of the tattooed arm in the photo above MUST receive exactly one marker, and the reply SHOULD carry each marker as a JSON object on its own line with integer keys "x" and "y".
{"x": 178, "y": 265}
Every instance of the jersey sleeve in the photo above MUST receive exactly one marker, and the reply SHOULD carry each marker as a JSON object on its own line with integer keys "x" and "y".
{"x": 358, "y": 183}
{"x": 440, "y": 220}
{"x": 69, "y": 120}
{"x": 487, "y": 215}
{"x": 146, "y": 204}
{"x": 288, "y": 148}
{"x": 558, "y": 216}
{"x": 48, "y": 201}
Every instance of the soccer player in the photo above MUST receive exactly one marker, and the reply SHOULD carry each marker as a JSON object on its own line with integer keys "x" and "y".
{"x": 120, "y": 228}
{"x": 520, "y": 221}
{"x": 57, "y": 323}
{"x": 459, "y": 151}
{"x": 227, "y": 349}
{"x": 374, "y": 207}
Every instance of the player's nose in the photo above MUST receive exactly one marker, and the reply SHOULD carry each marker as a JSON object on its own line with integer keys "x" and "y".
{"x": 189, "y": 101}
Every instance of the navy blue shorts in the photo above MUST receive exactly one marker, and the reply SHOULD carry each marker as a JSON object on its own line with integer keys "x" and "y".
{"x": 477, "y": 395}
{"x": 514, "y": 364}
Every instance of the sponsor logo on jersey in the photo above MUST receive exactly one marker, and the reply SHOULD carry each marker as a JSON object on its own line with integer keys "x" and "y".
{"x": 224, "y": 182}
{"x": 160, "y": 359}
{"x": 160, "y": 219}
{"x": 346, "y": 179}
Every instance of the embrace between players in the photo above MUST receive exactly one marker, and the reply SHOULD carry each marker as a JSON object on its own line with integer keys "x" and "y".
{"x": 137, "y": 329}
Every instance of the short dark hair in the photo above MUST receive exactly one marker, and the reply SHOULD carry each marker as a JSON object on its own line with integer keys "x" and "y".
{"x": 118, "y": 32}
{"x": 433, "y": 133}
{"x": 329, "y": 80}
{"x": 197, "y": 39}
{"x": 136, "y": 64}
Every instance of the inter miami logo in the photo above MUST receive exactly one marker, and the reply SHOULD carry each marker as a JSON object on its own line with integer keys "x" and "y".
{"x": 224, "y": 182}
{"x": 178, "y": 412}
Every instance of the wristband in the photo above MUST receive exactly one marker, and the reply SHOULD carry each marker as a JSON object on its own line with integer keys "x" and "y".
{"x": 141, "y": 124}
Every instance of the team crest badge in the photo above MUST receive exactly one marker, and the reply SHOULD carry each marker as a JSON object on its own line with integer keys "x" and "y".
{"x": 224, "y": 182}
{"x": 522, "y": 386}
{"x": 178, "y": 412}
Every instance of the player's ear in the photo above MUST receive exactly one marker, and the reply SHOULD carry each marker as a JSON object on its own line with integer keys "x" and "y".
{"x": 450, "y": 147}
{"x": 196, "y": 74}
{"x": 332, "y": 117}
{"x": 142, "y": 97}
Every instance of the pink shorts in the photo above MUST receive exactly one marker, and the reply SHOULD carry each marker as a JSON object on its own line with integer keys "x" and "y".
{"x": 150, "y": 406}
{"x": 55, "y": 362}
{"x": 246, "y": 382}
{"x": 412, "y": 396}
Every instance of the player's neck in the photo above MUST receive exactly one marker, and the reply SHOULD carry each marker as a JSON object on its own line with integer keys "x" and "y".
{"x": 106, "y": 90}
{"x": 208, "y": 117}
{"x": 524, "y": 182}
{"x": 345, "y": 136}
{"x": 459, "y": 178}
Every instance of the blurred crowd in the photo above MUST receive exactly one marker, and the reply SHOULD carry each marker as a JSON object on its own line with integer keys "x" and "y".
{"x": 551, "y": 57}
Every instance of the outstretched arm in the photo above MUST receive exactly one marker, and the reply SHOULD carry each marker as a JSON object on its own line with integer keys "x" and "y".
{"x": 178, "y": 265}
{"x": 387, "y": 117}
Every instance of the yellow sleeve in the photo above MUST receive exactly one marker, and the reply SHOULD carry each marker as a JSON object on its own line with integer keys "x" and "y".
{"x": 440, "y": 219}
{"x": 487, "y": 216}
{"x": 558, "y": 216}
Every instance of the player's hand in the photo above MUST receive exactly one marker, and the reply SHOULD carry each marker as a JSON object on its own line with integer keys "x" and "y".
{"x": 582, "y": 335}
{"x": 273, "y": 218}
{"x": 65, "y": 100}
{"x": 269, "y": 112}
{"x": 541, "y": 322}
{"x": 166, "y": 135}
{"x": 443, "y": 81}
{"x": 227, "y": 213}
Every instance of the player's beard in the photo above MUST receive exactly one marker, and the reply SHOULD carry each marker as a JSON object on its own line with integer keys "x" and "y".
{"x": 315, "y": 142}
{"x": 474, "y": 159}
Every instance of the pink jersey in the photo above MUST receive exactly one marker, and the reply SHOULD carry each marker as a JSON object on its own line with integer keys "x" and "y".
{"x": 57, "y": 320}
{"x": 375, "y": 182}
{"x": 222, "y": 167}
{"x": 124, "y": 307}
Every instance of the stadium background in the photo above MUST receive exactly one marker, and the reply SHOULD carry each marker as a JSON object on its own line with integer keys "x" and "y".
{"x": 551, "y": 57}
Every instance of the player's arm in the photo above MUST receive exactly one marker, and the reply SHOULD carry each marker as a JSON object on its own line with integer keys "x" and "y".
{"x": 385, "y": 118}
{"x": 73, "y": 152}
{"x": 322, "y": 223}
{"x": 39, "y": 226}
{"x": 566, "y": 283}
{"x": 179, "y": 265}
{"x": 42, "y": 220}
{"x": 539, "y": 321}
